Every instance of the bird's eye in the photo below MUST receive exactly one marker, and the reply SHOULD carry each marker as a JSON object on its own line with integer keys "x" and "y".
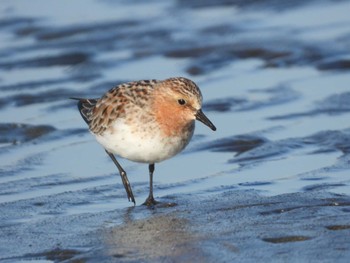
{"x": 181, "y": 101}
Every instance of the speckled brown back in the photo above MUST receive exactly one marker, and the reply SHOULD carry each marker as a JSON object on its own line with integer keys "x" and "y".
{"x": 115, "y": 103}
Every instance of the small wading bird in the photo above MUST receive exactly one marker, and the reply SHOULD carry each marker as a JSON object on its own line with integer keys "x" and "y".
{"x": 145, "y": 121}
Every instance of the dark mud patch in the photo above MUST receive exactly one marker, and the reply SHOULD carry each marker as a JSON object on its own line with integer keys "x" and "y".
{"x": 286, "y": 239}
{"x": 336, "y": 64}
{"x": 325, "y": 141}
{"x": 194, "y": 52}
{"x": 267, "y": 150}
{"x": 57, "y": 255}
{"x": 84, "y": 30}
{"x": 25, "y": 99}
{"x": 67, "y": 59}
{"x": 337, "y": 103}
{"x": 230, "y": 52}
{"x": 252, "y": 148}
{"x": 16, "y": 133}
{"x": 238, "y": 144}
{"x": 64, "y": 133}
{"x": 264, "y": 54}
{"x": 333, "y": 105}
{"x": 286, "y": 209}
{"x": 13, "y": 22}
{"x": 258, "y": 183}
{"x": 330, "y": 140}
{"x": 32, "y": 85}
{"x": 338, "y": 227}
{"x": 225, "y": 104}
{"x": 213, "y": 57}
{"x": 256, "y": 4}
{"x": 322, "y": 187}
{"x": 314, "y": 178}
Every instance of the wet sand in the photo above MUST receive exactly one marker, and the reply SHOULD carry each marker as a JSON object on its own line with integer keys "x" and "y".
{"x": 232, "y": 226}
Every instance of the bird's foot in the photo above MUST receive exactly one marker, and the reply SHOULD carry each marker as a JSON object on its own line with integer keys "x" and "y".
{"x": 150, "y": 201}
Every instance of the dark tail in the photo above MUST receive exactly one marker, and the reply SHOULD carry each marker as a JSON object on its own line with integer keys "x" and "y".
{"x": 85, "y": 107}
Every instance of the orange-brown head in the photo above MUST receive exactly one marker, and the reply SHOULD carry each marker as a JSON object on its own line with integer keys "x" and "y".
{"x": 177, "y": 103}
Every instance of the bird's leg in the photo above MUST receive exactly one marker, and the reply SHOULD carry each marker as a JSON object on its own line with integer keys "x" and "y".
{"x": 150, "y": 199}
{"x": 125, "y": 180}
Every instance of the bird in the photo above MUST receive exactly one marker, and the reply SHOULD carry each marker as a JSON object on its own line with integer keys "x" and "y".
{"x": 146, "y": 121}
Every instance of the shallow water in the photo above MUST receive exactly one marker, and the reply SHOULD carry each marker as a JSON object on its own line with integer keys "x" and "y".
{"x": 274, "y": 76}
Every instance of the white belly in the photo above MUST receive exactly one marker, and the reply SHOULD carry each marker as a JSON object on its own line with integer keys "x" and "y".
{"x": 141, "y": 145}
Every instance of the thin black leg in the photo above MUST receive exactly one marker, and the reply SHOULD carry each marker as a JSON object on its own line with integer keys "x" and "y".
{"x": 151, "y": 170}
{"x": 150, "y": 199}
{"x": 125, "y": 180}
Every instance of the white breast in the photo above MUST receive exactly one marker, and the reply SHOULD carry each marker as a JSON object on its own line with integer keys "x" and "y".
{"x": 140, "y": 144}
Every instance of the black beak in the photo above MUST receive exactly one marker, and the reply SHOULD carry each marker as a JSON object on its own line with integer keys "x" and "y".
{"x": 202, "y": 118}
